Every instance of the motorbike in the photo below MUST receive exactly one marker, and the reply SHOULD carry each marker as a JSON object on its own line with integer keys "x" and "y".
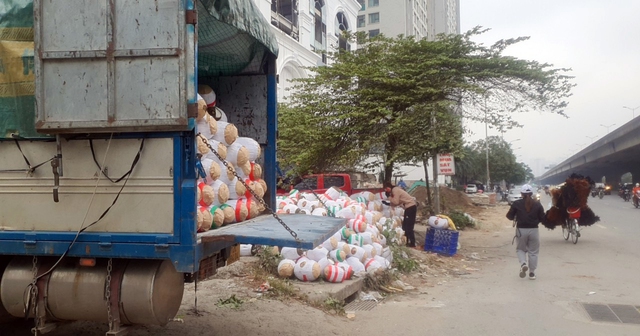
{"x": 594, "y": 192}
{"x": 627, "y": 195}
{"x": 601, "y": 193}
{"x": 636, "y": 199}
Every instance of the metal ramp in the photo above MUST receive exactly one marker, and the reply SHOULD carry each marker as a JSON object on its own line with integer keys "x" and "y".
{"x": 265, "y": 230}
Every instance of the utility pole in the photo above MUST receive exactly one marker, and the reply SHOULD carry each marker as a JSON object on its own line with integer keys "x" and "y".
{"x": 434, "y": 162}
{"x": 607, "y": 127}
{"x": 486, "y": 144}
{"x": 633, "y": 110}
{"x": 436, "y": 189}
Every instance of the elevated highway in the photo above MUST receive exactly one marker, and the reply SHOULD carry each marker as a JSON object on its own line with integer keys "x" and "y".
{"x": 610, "y": 156}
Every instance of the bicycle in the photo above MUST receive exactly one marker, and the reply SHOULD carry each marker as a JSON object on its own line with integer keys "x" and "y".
{"x": 570, "y": 228}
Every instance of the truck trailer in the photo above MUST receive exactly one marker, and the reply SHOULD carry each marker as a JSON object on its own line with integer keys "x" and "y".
{"x": 98, "y": 159}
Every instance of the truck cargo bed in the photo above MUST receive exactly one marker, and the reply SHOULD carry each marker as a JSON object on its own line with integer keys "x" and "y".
{"x": 266, "y": 230}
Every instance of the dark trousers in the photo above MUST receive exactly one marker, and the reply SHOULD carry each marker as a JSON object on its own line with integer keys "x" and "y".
{"x": 408, "y": 223}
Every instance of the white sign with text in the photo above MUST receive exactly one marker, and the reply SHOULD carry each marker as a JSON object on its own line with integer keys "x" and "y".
{"x": 446, "y": 165}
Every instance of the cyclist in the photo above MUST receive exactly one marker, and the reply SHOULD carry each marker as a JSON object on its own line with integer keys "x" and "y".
{"x": 528, "y": 213}
{"x": 636, "y": 192}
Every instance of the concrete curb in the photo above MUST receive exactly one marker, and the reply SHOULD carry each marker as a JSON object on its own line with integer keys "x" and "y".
{"x": 319, "y": 292}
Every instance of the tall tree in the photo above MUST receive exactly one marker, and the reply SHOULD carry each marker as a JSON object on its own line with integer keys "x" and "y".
{"x": 503, "y": 164}
{"x": 470, "y": 165}
{"x": 406, "y": 97}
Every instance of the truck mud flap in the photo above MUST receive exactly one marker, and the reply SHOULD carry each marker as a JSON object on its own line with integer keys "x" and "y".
{"x": 266, "y": 230}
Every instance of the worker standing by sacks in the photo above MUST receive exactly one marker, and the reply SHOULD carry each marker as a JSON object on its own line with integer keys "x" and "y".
{"x": 398, "y": 197}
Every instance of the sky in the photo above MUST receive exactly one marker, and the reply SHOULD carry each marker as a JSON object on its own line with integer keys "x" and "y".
{"x": 598, "y": 40}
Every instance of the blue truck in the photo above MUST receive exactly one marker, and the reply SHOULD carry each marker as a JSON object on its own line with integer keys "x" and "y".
{"x": 98, "y": 158}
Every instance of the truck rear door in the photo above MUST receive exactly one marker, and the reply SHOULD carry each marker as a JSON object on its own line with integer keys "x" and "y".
{"x": 127, "y": 60}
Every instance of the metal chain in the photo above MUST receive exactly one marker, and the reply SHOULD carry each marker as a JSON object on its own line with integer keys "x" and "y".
{"x": 258, "y": 198}
{"x": 33, "y": 291}
{"x": 107, "y": 292}
{"x": 195, "y": 294}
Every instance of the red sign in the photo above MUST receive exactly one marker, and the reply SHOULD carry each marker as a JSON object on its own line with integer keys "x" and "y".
{"x": 446, "y": 165}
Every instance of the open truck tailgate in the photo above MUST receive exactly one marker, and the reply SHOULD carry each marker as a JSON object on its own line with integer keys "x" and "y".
{"x": 265, "y": 230}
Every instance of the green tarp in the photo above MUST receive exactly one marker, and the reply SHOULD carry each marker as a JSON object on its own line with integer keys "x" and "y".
{"x": 233, "y": 38}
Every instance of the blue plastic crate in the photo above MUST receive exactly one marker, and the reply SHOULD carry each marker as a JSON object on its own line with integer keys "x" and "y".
{"x": 441, "y": 241}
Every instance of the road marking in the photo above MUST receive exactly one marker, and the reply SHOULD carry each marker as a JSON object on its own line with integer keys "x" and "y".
{"x": 601, "y": 226}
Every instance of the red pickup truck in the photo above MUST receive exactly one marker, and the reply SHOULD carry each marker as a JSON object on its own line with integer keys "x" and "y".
{"x": 321, "y": 182}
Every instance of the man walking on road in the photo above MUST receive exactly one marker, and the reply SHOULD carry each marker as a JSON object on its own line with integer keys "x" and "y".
{"x": 528, "y": 213}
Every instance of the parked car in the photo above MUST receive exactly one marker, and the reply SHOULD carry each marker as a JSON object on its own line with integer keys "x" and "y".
{"x": 514, "y": 194}
{"x": 471, "y": 189}
{"x": 320, "y": 183}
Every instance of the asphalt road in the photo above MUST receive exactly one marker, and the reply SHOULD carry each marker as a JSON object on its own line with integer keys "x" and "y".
{"x": 493, "y": 300}
{"x": 601, "y": 268}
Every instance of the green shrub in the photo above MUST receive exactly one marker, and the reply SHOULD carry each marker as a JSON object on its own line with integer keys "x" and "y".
{"x": 461, "y": 220}
{"x": 402, "y": 259}
{"x": 379, "y": 281}
{"x": 334, "y": 306}
{"x": 232, "y": 302}
{"x": 269, "y": 260}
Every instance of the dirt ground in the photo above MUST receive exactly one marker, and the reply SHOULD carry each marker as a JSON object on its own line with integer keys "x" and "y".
{"x": 259, "y": 314}
{"x": 450, "y": 199}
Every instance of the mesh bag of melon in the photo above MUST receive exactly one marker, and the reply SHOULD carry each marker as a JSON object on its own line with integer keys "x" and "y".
{"x": 306, "y": 270}
{"x": 204, "y": 219}
{"x": 206, "y": 125}
{"x": 253, "y": 147}
{"x": 205, "y": 151}
{"x": 237, "y": 190}
{"x": 243, "y": 209}
{"x": 227, "y": 133}
{"x": 317, "y": 253}
{"x": 220, "y": 131}
{"x": 250, "y": 170}
{"x": 221, "y": 191}
{"x": 334, "y": 273}
{"x": 238, "y": 155}
{"x": 218, "y": 216}
{"x": 212, "y": 170}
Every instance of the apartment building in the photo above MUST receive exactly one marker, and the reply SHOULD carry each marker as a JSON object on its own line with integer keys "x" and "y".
{"x": 444, "y": 16}
{"x": 419, "y": 18}
{"x": 306, "y": 30}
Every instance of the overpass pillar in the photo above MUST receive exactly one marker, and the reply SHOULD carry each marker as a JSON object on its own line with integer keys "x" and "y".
{"x": 635, "y": 175}
{"x": 613, "y": 179}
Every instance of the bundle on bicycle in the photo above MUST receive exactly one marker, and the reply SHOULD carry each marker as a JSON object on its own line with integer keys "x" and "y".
{"x": 570, "y": 210}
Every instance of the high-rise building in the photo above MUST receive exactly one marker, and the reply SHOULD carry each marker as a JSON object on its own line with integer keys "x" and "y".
{"x": 444, "y": 17}
{"x": 306, "y": 30}
{"x": 419, "y": 18}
